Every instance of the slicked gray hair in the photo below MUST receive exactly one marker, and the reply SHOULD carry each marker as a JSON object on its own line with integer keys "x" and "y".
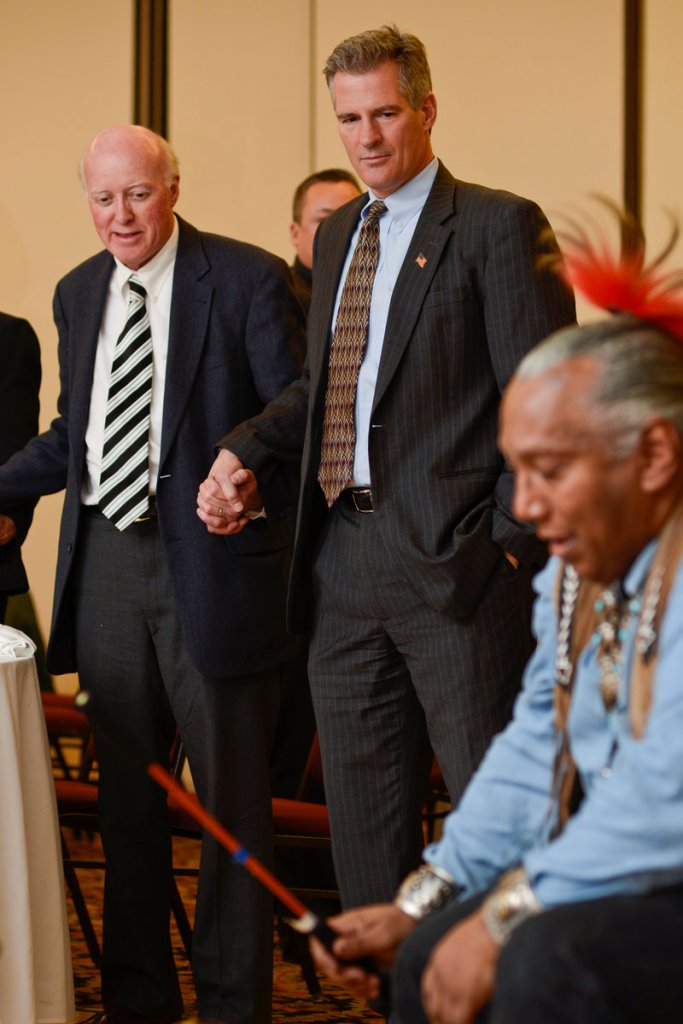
{"x": 640, "y": 373}
{"x": 368, "y": 50}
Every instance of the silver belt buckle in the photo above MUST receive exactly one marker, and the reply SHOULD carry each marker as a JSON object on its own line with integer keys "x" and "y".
{"x": 355, "y": 493}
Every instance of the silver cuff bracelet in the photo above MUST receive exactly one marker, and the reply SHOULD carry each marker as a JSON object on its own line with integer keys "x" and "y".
{"x": 425, "y": 890}
{"x": 511, "y": 902}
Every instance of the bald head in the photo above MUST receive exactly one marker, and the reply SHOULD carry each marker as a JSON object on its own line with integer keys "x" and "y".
{"x": 135, "y": 134}
{"x": 130, "y": 175}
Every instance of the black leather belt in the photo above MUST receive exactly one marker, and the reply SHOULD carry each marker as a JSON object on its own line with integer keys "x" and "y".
{"x": 360, "y": 498}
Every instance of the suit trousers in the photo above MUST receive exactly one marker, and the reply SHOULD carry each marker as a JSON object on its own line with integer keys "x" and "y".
{"x": 393, "y": 679}
{"x": 617, "y": 960}
{"x": 132, "y": 658}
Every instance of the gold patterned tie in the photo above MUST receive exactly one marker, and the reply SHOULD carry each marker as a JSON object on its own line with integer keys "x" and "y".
{"x": 346, "y": 355}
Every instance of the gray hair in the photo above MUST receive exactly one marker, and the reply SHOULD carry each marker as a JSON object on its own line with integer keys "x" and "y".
{"x": 640, "y": 373}
{"x": 368, "y": 50}
{"x": 172, "y": 169}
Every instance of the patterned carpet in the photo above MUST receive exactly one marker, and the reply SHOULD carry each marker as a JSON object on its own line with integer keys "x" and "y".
{"x": 291, "y": 1000}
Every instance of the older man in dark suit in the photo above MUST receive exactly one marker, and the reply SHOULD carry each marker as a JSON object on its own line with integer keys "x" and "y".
{"x": 167, "y": 332}
{"x": 19, "y": 407}
{"x": 408, "y": 561}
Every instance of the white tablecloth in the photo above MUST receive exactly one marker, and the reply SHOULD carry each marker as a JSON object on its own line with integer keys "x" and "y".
{"x": 36, "y": 981}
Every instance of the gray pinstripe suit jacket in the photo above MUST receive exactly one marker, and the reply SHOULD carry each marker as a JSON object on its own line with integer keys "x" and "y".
{"x": 459, "y": 323}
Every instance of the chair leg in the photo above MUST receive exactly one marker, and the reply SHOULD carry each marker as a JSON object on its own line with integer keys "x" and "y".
{"x": 59, "y": 760}
{"x": 80, "y": 907}
{"x": 181, "y": 919}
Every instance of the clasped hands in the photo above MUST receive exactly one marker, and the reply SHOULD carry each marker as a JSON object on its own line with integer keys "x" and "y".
{"x": 226, "y": 496}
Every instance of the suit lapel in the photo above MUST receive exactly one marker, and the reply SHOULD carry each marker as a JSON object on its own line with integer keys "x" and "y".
{"x": 432, "y": 232}
{"x": 189, "y": 323}
{"x": 90, "y": 302}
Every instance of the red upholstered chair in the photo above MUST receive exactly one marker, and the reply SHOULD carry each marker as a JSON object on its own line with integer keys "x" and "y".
{"x": 69, "y": 736}
{"x": 73, "y": 761}
{"x": 297, "y": 823}
{"x": 303, "y": 825}
{"x": 77, "y": 809}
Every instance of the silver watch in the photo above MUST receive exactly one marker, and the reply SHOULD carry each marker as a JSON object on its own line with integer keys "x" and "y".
{"x": 425, "y": 890}
{"x": 511, "y": 902}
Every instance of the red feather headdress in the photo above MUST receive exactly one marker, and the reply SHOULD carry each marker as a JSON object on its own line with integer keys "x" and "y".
{"x": 623, "y": 283}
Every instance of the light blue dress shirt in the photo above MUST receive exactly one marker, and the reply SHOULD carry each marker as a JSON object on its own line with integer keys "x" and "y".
{"x": 627, "y": 835}
{"x": 396, "y": 229}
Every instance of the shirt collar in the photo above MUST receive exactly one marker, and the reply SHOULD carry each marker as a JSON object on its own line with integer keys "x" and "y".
{"x": 153, "y": 275}
{"x": 409, "y": 198}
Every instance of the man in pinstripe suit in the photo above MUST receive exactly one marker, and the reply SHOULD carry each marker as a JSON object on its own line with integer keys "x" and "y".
{"x": 416, "y": 582}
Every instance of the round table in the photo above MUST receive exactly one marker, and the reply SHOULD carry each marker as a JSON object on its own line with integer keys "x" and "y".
{"x": 36, "y": 981}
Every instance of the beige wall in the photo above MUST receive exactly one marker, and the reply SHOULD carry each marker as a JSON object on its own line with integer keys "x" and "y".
{"x": 663, "y": 137}
{"x": 529, "y": 99}
{"x": 516, "y": 83}
{"x": 65, "y": 70}
{"x": 239, "y": 113}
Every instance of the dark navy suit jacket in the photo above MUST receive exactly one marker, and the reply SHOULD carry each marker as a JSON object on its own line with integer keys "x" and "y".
{"x": 234, "y": 332}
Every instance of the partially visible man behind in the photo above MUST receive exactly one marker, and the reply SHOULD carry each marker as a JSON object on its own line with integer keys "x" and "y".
{"x": 560, "y": 874}
{"x": 408, "y": 563}
{"x": 19, "y": 406}
{"x": 315, "y": 198}
{"x": 162, "y": 334}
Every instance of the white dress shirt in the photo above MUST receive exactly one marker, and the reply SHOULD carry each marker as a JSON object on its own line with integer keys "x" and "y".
{"x": 156, "y": 277}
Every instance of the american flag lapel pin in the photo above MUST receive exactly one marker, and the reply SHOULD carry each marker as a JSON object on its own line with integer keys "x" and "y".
{"x": 421, "y": 260}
